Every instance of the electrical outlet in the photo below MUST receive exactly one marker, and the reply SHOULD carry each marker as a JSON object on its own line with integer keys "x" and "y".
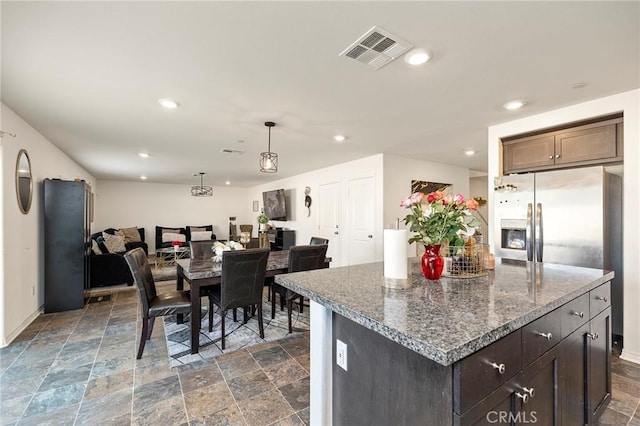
{"x": 341, "y": 354}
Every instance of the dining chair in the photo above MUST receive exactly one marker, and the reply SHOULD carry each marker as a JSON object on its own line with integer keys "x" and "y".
{"x": 242, "y": 279}
{"x": 318, "y": 241}
{"x": 152, "y": 304}
{"x": 301, "y": 258}
{"x": 201, "y": 249}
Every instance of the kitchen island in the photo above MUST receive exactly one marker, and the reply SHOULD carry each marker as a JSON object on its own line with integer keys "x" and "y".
{"x": 529, "y": 342}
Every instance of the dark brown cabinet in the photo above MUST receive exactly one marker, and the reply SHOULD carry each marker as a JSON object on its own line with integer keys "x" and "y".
{"x": 281, "y": 239}
{"x": 67, "y": 210}
{"x": 592, "y": 143}
{"x": 598, "y": 351}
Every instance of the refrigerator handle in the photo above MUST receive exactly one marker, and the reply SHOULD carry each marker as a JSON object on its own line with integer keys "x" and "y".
{"x": 529, "y": 232}
{"x": 539, "y": 233}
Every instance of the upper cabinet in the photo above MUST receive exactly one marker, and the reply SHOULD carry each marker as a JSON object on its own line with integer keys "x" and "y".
{"x": 586, "y": 144}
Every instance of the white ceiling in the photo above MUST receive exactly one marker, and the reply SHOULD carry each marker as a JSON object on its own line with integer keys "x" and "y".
{"x": 88, "y": 75}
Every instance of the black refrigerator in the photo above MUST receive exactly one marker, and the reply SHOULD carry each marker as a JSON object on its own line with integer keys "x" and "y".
{"x": 67, "y": 243}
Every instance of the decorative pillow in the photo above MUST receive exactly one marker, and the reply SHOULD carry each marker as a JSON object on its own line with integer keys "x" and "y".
{"x": 197, "y": 228}
{"x": 114, "y": 243}
{"x": 168, "y": 237}
{"x": 200, "y": 235}
{"x": 95, "y": 247}
{"x": 130, "y": 235}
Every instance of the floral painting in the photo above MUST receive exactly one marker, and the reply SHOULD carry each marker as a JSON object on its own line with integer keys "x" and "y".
{"x": 427, "y": 187}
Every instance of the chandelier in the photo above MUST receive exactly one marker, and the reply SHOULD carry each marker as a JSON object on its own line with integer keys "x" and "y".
{"x": 269, "y": 160}
{"x": 201, "y": 190}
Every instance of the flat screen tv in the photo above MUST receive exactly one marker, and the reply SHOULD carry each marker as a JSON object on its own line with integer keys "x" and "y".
{"x": 274, "y": 205}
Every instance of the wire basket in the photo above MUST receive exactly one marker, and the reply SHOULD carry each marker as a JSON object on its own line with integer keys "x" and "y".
{"x": 468, "y": 261}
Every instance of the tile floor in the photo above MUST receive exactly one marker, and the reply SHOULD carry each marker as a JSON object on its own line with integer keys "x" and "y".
{"x": 79, "y": 368}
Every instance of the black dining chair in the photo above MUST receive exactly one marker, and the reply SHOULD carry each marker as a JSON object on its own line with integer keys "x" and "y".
{"x": 301, "y": 258}
{"x": 318, "y": 241}
{"x": 152, "y": 304}
{"x": 243, "y": 274}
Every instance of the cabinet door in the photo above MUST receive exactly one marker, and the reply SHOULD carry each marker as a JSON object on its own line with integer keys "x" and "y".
{"x": 599, "y": 365}
{"x": 501, "y": 407}
{"x": 596, "y": 143}
{"x": 540, "y": 382}
{"x": 528, "y": 153}
{"x": 572, "y": 377}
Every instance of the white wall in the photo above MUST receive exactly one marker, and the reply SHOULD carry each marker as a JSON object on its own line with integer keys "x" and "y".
{"x": 22, "y": 270}
{"x": 147, "y": 205}
{"x": 629, "y": 104}
{"x": 398, "y": 174}
{"x": 306, "y": 226}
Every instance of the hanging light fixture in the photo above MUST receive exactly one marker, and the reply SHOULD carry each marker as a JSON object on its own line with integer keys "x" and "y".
{"x": 269, "y": 160}
{"x": 201, "y": 190}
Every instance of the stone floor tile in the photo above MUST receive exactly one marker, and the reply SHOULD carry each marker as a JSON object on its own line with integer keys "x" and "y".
{"x": 305, "y": 361}
{"x": 12, "y": 409}
{"x": 237, "y": 366}
{"x": 151, "y": 373}
{"x": 19, "y": 387}
{"x": 612, "y": 417}
{"x": 296, "y": 346}
{"x": 62, "y": 417}
{"x": 105, "y": 409}
{"x": 274, "y": 355}
{"x": 262, "y": 346}
{"x": 208, "y": 400}
{"x": 112, "y": 366}
{"x": 285, "y": 372}
{"x": 126, "y": 328}
{"x": 305, "y": 415}
{"x": 102, "y": 386}
{"x": 55, "y": 399}
{"x": 165, "y": 388}
{"x": 265, "y": 408}
{"x": 297, "y": 393}
{"x": 249, "y": 385}
{"x": 193, "y": 379}
{"x": 161, "y": 412}
{"x": 292, "y": 420}
{"x": 230, "y": 416}
{"x": 60, "y": 378}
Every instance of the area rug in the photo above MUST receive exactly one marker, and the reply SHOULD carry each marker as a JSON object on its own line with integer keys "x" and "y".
{"x": 238, "y": 334}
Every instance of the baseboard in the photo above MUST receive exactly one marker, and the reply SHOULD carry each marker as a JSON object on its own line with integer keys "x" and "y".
{"x": 630, "y": 356}
{"x": 6, "y": 340}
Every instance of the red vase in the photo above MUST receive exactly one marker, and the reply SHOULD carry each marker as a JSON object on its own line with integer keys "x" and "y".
{"x": 432, "y": 263}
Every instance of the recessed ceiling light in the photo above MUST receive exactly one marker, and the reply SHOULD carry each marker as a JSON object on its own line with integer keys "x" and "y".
{"x": 144, "y": 155}
{"x": 469, "y": 152}
{"x": 579, "y": 85}
{"x": 339, "y": 138}
{"x": 169, "y": 103}
{"x": 514, "y": 104}
{"x": 417, "y": 57}
{"x": 228, "y": 182}
{"x": 143, "y": 177}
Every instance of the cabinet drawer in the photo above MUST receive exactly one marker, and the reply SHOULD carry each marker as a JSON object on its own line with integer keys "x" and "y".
{"x": 476, "y": 376}
{"x": 540, "y": 336}
{"x": 574, "y": 314}
{"x": 599, "y": 299}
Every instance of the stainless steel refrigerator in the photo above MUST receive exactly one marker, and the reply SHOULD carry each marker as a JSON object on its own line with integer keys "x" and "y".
{"x": 571, "y": 217}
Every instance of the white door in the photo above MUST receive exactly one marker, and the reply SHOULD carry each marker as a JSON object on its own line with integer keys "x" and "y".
{"x": 329, "y": 219}
{"x": 361, "y": 221}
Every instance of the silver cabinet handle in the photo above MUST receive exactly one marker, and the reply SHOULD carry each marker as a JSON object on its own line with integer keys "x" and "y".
{"x": 603, "y": 298}
{"x": 369, "y": 236}
{"x": 557, "y": 155}
{"x": 578, "y": 314}
{"x": 335, "y": 233}
{"x": 592, "y": 336}
{"x": 530, "y": 391}
{"x": 551, "y": 157}
{"x": 547, "y": 336}
{"x": 524, "y": 397}
{"x": 500, "y": 367}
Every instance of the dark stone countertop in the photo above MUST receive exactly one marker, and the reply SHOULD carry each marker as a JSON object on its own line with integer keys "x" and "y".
{"x": 448, "y": 319}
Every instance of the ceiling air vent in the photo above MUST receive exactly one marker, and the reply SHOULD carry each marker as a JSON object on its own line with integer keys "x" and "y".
{"x": 231, "y": 151}
{"x": 376, "y": 48}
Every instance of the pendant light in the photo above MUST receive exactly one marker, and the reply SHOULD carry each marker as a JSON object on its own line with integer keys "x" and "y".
{"x": 269, "y": 160}
{"x": 201, "y": 190}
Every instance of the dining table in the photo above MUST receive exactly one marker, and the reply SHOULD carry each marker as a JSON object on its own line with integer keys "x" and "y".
{"x": 201, "y": 273}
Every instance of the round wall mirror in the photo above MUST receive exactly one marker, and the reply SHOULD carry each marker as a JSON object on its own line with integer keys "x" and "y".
{"x": 24, "y": 183}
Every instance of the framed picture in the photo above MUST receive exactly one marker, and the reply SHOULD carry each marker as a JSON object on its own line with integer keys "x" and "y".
{"x": 255, "y": 206}
{"x": 427, "y": 187}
